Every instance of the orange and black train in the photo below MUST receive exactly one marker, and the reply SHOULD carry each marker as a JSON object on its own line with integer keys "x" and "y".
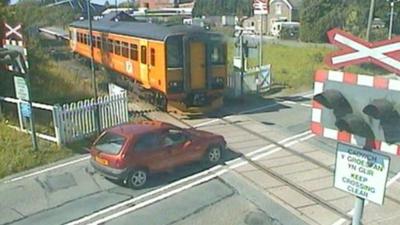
{"x": 182, "y": 65}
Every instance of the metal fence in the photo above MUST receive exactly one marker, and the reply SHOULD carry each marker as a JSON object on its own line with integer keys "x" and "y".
{"x": 75, "y": 121}
{"x": 254, "y": 80}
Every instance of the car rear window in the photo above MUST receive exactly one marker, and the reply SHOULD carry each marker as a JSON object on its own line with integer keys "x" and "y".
{"x": 110, "y": 143}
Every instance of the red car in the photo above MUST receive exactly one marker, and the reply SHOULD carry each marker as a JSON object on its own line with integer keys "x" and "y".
{"x": 130, "y": 152}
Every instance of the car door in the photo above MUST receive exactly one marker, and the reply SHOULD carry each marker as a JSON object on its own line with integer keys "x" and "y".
{"x": 147, "y": 153}
{"x": 179, "y": 146}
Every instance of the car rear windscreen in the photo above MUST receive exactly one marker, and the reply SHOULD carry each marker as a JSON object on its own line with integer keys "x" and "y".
{"x": 110, "y": 143}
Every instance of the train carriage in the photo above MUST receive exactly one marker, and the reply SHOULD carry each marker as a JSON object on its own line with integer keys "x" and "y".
{"x": 182, "y": 65}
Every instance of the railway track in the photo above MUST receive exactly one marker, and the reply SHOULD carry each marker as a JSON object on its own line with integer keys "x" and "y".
{"x": 278, "y": 176}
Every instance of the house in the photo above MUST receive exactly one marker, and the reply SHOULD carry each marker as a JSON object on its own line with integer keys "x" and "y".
{"x": 283, "y": 11}
{"x": 279, "y": 11}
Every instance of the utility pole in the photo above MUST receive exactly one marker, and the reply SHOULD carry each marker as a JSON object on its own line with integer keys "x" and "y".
{"x": 31, "y": 120}
{"x": 261, "y": 48}
{"x": 241, "y": 64}
{"x": 391, "y": 16}
{"x": 94, "y": 84}
{"x": 370, "y": 18}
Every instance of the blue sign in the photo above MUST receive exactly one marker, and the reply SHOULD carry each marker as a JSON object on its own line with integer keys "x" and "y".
{"x": 26, "y": 109}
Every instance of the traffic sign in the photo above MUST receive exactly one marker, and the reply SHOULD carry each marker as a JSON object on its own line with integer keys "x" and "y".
{"x": 361, "y": 173}
{"x": 260, "y": 6}
{"x": 354, "y": 109}
{"x": 26, "y": 109}
{"x": 355, "y": 50}
{"x": 21, "y": 89}
{"x": 13, "y": 31}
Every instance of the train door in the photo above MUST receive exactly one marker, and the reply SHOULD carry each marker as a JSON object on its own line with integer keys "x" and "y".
{"x": 73, "y": 38}
{"x": 144, "y": 69}
{"x": 197, "y": 65}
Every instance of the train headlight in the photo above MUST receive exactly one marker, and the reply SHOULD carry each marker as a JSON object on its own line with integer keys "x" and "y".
{"x": 175, "y": 86}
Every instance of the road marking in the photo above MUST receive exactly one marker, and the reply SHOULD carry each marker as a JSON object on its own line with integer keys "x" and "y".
{"x": 258, "y": 109}
{"x": 308, "y": 95}
{"x": 159, "y": 198}
{"x": 140, "y": 197}
{"x": 206, "y": 123}
{"x": 388, "y": 184}
{"x": 262, "y": 155}
{"x": 306, "y": 105}
{"x": 46, "y": 170}
{"x": 280, "y": 142}
{"x": 240, "y": 162}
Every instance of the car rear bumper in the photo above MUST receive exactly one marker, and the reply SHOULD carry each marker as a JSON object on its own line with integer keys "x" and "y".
{"x": 111, "y": 173}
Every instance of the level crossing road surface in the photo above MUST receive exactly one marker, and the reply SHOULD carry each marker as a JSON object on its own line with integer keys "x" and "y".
{"x": 276, "y": 172}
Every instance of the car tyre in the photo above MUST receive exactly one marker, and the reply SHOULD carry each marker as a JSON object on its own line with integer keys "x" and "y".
{"x": 137, "y": 178}
{"x": 214, "y": 154}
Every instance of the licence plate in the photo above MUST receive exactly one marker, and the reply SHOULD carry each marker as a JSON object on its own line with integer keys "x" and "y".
{"x": 101, "y": 161}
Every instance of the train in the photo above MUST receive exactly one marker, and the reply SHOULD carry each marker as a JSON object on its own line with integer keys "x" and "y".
{"x": 178, "y": 66}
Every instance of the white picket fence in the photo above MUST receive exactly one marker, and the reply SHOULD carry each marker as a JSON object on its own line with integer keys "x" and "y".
{"x": 75, "y": 121}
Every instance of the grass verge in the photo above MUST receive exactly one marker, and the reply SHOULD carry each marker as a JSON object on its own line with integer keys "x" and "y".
{"x": 294, "y": 64}
{"x": 16, "y": 152}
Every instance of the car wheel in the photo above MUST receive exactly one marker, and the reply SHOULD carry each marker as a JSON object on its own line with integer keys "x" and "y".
{"x": 137, "y": 178}
{"x": 214, "y": 154}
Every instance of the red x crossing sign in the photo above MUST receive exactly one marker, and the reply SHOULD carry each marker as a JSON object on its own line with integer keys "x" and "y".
{"x": 354, "y": 50}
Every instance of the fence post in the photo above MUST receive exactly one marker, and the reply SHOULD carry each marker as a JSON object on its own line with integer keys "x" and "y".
{"x": 56, "y": 121}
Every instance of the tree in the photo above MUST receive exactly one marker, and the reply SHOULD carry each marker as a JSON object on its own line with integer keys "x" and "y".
{"x": 319, "y": 16}
{"x": 238, "y": 8}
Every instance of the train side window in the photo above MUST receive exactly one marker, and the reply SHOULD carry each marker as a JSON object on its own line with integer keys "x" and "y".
{"x": 85, "y": 39}
{"x": 134, "y": 52}
{"x": 152, "y": 57}
{"x": 174, "y": 52}
{"x": 110, "y": 46}
{"x": 117, "y": 48}
{"x": 143, "y": 54}
{"x": 93, "y": 41}
{"x": 125, "y": 50}
{"x": 98, "y": 42}
{"x": 78, "y": 37}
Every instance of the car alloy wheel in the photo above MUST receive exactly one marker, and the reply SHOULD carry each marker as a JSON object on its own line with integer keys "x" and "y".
{"x": 214, "y": 154}
{"x": 138, "y": 178}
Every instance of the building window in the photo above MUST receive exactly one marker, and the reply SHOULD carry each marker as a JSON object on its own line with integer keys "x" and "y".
{"x": 278, "y": 9}
{"x": 117, "y": 47}
{"x": 125, "y": 50}
{"x": 134, "y": 52}
{"x": 152, "y": 57}
{"x": 143, "y": 54}
{"x": 110, "y": 46}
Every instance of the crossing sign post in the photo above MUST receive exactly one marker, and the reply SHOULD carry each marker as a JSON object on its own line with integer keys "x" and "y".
{"x": 360, "y": 110}
{"x": 14, "y": 43}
